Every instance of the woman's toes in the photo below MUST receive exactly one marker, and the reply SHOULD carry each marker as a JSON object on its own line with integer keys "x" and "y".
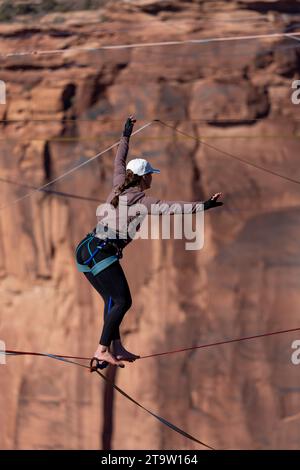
{"x": 125, "y": 358}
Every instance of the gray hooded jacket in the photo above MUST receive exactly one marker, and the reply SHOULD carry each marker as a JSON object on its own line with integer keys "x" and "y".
{"x": 134, "y": 205}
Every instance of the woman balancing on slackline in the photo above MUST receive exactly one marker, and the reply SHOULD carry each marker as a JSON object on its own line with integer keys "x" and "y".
{"x": 98, "y": 254}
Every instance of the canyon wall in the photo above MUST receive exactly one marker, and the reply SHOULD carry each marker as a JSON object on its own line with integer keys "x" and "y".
{"x": 61, "y": 110}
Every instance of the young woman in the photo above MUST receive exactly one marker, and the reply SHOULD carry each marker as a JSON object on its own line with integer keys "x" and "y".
{"x": 98, "y": 254}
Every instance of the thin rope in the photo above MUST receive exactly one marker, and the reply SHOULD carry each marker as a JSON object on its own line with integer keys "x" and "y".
{"x": 51, "y": 191}
{"x": 111, "y": 383}
{"x": 63, "y": 194}
{"x": 294, "y": 37}
{"x": 153, "y": 44}
{"x": 219, "y": 343}
{"x": 203, "y": 346}
{"x": 106, "y": 121}
{"x": 60, "y": 193}
{"x": 30, "y": 193}
{"x": 162, "y": 420}
{"x": 156, "y": 139}
{"x": 188, "y": 56}
{"x": 228, "y": 154}
{"x": 89, "y": 199}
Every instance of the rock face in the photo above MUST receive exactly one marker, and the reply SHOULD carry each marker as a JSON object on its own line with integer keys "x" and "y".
{"x": 63, "y": 109}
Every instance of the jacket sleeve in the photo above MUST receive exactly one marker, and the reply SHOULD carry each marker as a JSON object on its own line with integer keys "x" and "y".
{"x": 120, "y": 161}
{"x": 160, "y": 206}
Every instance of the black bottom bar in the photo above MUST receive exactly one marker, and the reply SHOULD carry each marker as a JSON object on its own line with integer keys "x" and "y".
{"x": 134, "y": 458}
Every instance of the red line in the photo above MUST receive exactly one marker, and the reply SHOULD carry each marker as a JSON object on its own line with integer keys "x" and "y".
{"x": 222, "y": 342}
{"x": 244, "y": 338}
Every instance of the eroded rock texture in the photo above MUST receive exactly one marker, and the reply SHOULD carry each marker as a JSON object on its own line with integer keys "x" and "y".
{"x": 64, "y": 108}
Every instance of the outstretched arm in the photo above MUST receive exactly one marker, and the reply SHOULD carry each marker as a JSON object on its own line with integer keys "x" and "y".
{"x": 159, "y": 206}
{"x": 121, "y": 155}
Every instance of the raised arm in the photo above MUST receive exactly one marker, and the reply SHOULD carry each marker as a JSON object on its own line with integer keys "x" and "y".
{"x": 121, "y": 155}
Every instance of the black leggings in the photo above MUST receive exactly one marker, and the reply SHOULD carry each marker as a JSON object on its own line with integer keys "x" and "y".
{"x": 112, "y": 285}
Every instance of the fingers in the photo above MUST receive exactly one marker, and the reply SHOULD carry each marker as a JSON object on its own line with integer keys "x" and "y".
{"x": 129, "y": 126}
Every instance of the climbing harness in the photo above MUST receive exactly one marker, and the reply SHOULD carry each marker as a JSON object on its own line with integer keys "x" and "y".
{"x": 100, "y": 265}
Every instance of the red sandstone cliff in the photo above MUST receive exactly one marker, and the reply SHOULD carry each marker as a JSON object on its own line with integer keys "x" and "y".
{"x": 246, "y": 279}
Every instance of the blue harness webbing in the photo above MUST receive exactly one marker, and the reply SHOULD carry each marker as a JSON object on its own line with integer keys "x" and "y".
{"x": 98, "y": 267}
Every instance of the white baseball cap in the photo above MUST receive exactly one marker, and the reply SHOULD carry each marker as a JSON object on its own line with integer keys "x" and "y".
{"x": 140, "y": 166}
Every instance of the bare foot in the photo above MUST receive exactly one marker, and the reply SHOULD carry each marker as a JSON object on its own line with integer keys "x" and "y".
{"x": 122, "y": 354}
{"x": 106, "y": 356}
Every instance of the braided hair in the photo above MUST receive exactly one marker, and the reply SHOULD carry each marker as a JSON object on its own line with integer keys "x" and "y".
{"x": 131, "y": 180}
